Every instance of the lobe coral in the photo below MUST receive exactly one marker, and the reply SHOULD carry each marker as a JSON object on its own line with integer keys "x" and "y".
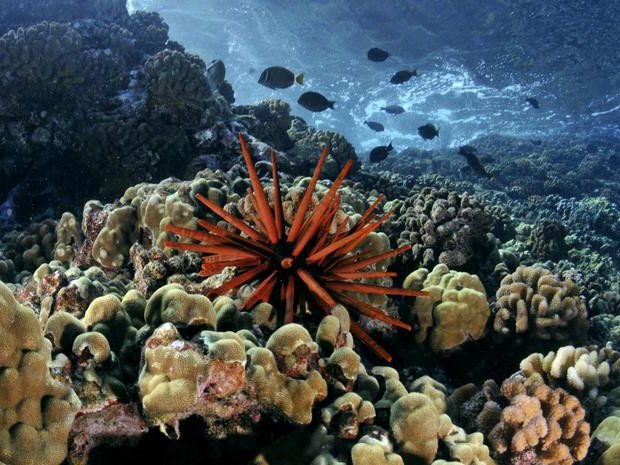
{"x": 298, "y": 263}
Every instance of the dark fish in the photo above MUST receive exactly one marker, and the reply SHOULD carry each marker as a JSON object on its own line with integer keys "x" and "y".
{"x": 428, "y": 131}
{"x": 536, "y": 141}
{"x": 374, "y": 126}
{"x": 466, "y": 150}
{"x": 532, "y": 101}
{"x": 277, "y": 77}
{"x": 469, "y": 153}
{"x": 393, "y": 109}
{"x": 403, "y": 76}
{"x": 377, "y": 54}
{"x": 216, "y": 72}
{"x": 314, "y": 101}
{"x": 380, "y": 153}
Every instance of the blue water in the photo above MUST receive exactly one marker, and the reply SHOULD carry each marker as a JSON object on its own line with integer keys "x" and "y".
{"x": 467, "y": 87}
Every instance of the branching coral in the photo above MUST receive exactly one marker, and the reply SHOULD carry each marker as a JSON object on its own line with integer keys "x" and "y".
{"x": 312, "y": 259}
{"x": 532, "y": 301}
{"x": 545, "y": 424}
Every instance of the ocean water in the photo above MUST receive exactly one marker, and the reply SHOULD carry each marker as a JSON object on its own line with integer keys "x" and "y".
{"x": 477, "y": 63}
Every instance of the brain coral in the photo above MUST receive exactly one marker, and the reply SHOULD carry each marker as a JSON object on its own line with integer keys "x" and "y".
{"x": 532, "y": 302}
{"x": 36, "y": 411}
{"x": 455, "y": 311}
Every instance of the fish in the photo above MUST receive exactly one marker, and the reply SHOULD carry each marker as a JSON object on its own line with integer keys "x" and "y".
{"x": 216, "y": 73}
{"x": 377, "y": 54}
{"x": 469, "y": 153}
{"x": 380, "y": 153}
{"x": 532, "y": 101}
{"x": 536, "y": 141}
{"x": 314, "y": 101}
{"x": 278, "y": 77}
{"x": 393, "y": 109}
{"x": 374, "y": 126}
{"x": 428, "y": 131}
{"x": 466, "y": 150}
{"x": 403, "y": 76}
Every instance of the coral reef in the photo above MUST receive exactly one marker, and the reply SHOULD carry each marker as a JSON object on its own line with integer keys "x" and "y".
{"x": 37, "y": 410}
{"x": 269, "y": 121}
{"x": 26, "y": 250}
{"x": 241, "y": 340}
{"x": 309, "y": 258}
{"x": 541, "y": 425}
{"x": 532, "y": 303}
{"x": 444, "y": 227}
{"x": 584, "y": 370}
{"x": 547, "y": 240}
{"x": 303, "y": 152}
{"x": 455, "y": 311}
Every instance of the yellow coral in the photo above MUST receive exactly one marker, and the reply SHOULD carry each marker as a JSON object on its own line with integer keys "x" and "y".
{"x": 170, "y": 375}
{"x": 372, "y": 454}
{"x": 433, "y": 389}
{"x": 111, "y": 246}
{"x": 170, "y": 303}
{"x": 36, "y": 411}
{"x": 292, "y": 397}
{"x": 455, "y": 311}
{"x": 415, "y": 423}
{"x": 358, "y": 411}
{"x": 293, "y": 348}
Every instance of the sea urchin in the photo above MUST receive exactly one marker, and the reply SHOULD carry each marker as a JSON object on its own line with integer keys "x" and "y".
{"x": 300, "y": 262}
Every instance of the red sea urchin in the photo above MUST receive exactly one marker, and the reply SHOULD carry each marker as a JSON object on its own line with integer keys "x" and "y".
{"x": 297, "y": 263}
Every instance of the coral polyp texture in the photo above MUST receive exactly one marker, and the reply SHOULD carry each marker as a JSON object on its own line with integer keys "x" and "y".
{"x": 36, "y": 411}
{"x": 304, "y": 252}
{"x": 533, "y": 301}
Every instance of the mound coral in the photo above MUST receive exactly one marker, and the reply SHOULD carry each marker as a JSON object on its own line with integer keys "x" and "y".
{"x": 446, "y": 227}
{"x": 311, "y": 259}
{"x": 36, "y": 411}
{"x": 456, "y": 311}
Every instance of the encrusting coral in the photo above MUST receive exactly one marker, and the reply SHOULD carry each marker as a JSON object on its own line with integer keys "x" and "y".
{"x": 314, "y": 260}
